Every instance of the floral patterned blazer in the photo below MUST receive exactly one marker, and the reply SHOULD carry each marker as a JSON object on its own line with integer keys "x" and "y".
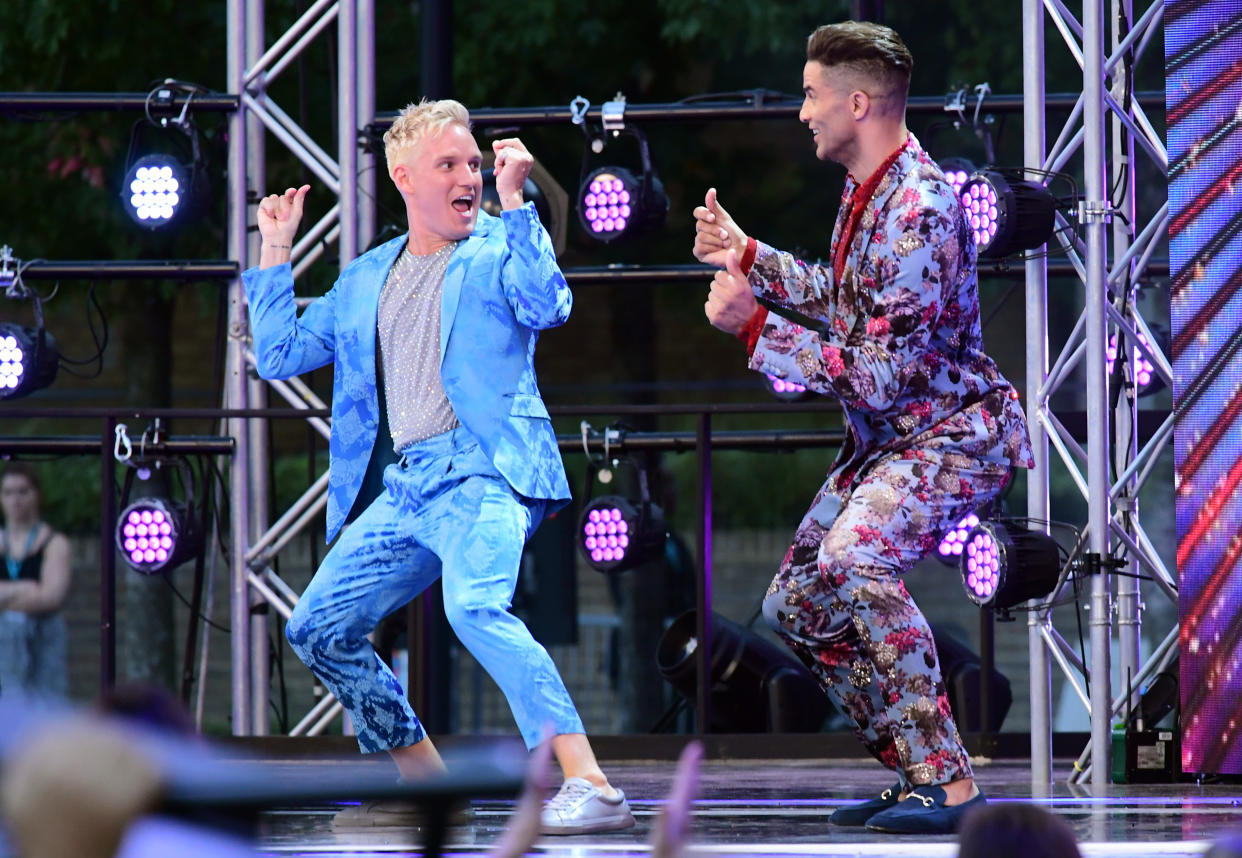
{"x": 507, "y": 286}
{"x": 897, "y": 339}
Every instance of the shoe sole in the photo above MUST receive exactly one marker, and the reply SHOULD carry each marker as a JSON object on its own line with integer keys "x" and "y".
{"x": 617, "y": 823}
{"x": 417, "y": 823}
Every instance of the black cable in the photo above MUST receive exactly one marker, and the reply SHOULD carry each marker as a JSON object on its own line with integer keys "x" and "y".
{"x": 100, "y": 339}
{"x": 384, "y": 210}
{"x": 184, "y": 601}
{"x": 276, "y": 658}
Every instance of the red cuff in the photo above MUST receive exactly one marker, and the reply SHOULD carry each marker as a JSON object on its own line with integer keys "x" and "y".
{"x": 750, "y": 332}
{"x": 748, "y": 256}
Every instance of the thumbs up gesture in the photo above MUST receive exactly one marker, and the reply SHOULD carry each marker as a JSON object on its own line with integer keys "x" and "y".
{"x": 730, "y": 302}
{"x": 715, "y": 232}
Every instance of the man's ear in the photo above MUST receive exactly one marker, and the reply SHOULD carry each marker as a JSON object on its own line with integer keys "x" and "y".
{"x": 860, "y": 104}
{"x": 401, "y": 178}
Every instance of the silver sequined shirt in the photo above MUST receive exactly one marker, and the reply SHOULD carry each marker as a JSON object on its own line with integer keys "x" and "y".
{"x": 409, "y": 339}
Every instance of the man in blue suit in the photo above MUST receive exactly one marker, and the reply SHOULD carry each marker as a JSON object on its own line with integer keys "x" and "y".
{"x": 452, "y": 310}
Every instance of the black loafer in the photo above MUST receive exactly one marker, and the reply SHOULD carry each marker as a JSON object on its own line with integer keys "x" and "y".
{"x": 924, "y": 812}
{"x": 858, "y": 814}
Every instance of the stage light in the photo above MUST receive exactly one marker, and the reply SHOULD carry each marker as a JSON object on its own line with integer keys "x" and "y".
{"x": 163, "y": 188}
{"x": 614, "y": 202}
{"x": 1005, "y": 564}
{"x": 615, "y": 535}
{"x": 1142, "y": 372}
{"x": 756, "y": 685}
{"x": 154, "y": 190}
{"x": 1007, "y": 213}
{"x": 29, "y": 360}
{"x": 606, "y": 202}
{"x": 953, "y": 543}
{"x": 957, "y": 171}
{"x": 550, "y": 199}
{"x": 154, "y": 535}
{"x": 787, "y": 391}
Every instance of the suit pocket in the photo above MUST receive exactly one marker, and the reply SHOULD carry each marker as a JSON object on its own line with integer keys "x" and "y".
{"x": 528, "y": 405}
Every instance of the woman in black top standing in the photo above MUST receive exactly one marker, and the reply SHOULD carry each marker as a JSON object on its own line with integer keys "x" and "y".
{"x": 33, "y": 585}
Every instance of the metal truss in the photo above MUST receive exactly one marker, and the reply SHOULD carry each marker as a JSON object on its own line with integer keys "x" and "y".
{"x": 350, "y": 176}
{"x": 1114, "y": 466}
{"x": 1114, "y": 525}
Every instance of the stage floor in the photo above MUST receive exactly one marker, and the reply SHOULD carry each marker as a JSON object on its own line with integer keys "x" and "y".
{"x": 778, "y": 807}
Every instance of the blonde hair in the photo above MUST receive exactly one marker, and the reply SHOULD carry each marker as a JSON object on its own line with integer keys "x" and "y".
{"x": 419, "y": 121}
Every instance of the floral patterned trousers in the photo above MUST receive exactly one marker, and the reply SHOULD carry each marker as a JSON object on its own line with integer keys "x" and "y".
{"x": 443, "y": 507}
{"x": 839, "y": 603}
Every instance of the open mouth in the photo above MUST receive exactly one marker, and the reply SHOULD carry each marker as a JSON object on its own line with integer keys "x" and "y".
{"x": 464, "y": 203}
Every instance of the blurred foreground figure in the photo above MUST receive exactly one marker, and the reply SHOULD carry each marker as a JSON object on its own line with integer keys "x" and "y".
{"x": 74, "y": 790}
{"x": 1016, "y": 831}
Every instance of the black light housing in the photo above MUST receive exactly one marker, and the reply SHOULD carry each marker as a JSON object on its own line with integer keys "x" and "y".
{"x": 29, "y": 360}
{"x": 613, "y": 202}
{"x": 160, "y": 190}
{"x": 614, "y": 534}
{"x": 166, "y": 184}
{"x": 756, "y": 685}
{"x": 1007, "y": 212}
{"x": 1005, "y": 564}
{"x": 155, "y": 535}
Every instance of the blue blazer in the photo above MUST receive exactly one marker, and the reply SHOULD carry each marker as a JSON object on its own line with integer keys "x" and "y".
{"x": 502, "y": 287}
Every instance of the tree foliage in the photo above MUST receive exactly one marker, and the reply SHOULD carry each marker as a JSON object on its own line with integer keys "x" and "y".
{"x": 61, "y": 174}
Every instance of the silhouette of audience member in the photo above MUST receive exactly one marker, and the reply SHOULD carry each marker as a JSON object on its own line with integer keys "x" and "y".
{"x": 1228, "y": 846}
{"x": 147, "y": 705}
{"x": 74, "y": 790}
{"x": 33, "y": 587}
{"x": 1016, "y": 831}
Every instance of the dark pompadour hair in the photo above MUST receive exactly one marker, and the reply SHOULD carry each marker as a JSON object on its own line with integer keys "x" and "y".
{"x": 871, "y": 50}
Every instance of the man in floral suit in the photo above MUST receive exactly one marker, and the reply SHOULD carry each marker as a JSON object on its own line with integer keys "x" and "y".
{"x": 933, "y": 429}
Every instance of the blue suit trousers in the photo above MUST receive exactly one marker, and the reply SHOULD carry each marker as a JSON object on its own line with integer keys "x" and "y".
{"x": 444, "y": 507}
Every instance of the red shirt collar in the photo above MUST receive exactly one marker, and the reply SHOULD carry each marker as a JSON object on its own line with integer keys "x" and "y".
{"x": 866, "y": 190}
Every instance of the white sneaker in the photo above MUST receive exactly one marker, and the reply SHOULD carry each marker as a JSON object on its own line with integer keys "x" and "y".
{"x": 581, "y": 808}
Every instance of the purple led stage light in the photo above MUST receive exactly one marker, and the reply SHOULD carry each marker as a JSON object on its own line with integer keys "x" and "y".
{"x": 154, "y": 535}
{"x": 1006, "y": 212}
{"x": 1005, "y": 564}
{"x": 605, "y": 534}
{"x": 1141, "y": 369}
{"x": 954, "y": 542}
{"x": 614, "y": 534}
{"x": 956, "y": 171}
{"x": 981, "y": 567}
{"x": 789, "y": 391}
{"x": 607, "y": 202}
{"x": 981, "y": 204}
{"x": 614, "y": 202}
{"x": 957, "y": 178}
{"x": 29, "y": 360}
{"x": 782, "y": 386}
